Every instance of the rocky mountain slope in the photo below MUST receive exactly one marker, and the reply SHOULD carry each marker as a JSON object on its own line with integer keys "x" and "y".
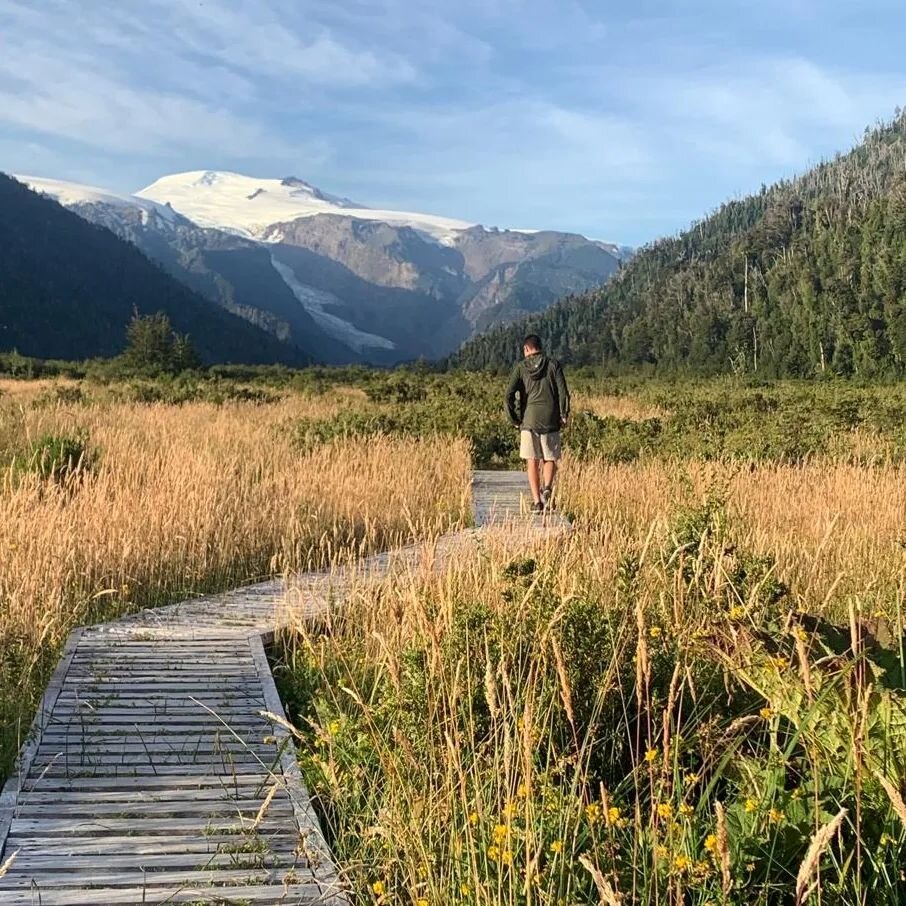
{"x": 68, "y": 289}
{"x": 339, "y": 280}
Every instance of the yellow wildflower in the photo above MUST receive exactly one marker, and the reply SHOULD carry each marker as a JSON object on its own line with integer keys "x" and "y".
{"x": 500, "y": 832}
{"x": 613, "y": 815}
{"x": 421, "y": 901}
{"x": 691, "y": 779}
{"x": 333, "y": 727}
{"x": 651, "y": 755}
{"x": 664, "y": 810}
{"x": 507, "y": 857}
{"x": 378, "y": 888}
{"x": 592, "y": 812}
{"x": 655, "y": 632}
{"x": 557, "y": 847}
{"x": 473, "y": 818}
{"x": 681, "y": 862}
{"x": 685, "y": 809}
{"x": 737, "y": 612}
{"x": 465, "y": 890}
{"x": 751, "y": 805}
{"x": 522, "y": 790}
{"x": 711, "y": 843}
{"x": 775, "y": 815}
{"x": 766, "y": 713}
{"x": 493, "y": 853}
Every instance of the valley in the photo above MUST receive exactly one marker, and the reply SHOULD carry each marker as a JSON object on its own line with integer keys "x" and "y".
{"x": 332, "y": 278}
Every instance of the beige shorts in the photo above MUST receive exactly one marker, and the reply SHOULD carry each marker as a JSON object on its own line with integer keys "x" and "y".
{"x": 535, "y": 445}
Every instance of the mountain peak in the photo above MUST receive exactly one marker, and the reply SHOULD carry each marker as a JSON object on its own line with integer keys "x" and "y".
{"x": 252, "y": 206}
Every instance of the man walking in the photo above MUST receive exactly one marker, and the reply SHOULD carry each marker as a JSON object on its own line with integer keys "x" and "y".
{"x": 537, "y": 402}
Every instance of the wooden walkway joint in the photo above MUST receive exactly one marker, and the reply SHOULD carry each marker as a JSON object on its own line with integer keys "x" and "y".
{"x": 157, "y": 769}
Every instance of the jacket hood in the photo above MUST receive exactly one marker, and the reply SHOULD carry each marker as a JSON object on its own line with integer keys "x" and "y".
{"x": 536, "y": 364}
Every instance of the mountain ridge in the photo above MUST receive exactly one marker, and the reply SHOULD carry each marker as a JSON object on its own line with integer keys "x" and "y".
{"x": 341, "y": 281}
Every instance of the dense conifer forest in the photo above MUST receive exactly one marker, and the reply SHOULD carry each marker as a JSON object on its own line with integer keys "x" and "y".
{"x": 803, "y": 278}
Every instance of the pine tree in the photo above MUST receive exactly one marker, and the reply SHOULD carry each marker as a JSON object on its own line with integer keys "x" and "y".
{"x": 153, "y": 347}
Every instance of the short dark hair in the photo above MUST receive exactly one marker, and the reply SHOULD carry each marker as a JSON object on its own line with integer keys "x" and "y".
{"x": 533, "y": 341}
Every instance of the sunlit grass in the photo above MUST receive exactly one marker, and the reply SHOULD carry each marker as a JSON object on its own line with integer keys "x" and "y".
{"x": 667, "y": 707}
{"x": 179, "y": 500}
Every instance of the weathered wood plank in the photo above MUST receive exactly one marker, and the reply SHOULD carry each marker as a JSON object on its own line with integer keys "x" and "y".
{"x": 129, "y": 896}
{"x": 226, "y": 768}
{"x": 179, "y": 782}
{"x": 60, "y": 863}
{"x": 282, "y": 841}
{"x": 170, "y": 808}
{"x": 313, "y": 842}
{"x": 51, "y": 827}
{"x": 41, "y": 880}
{"x": 176, "y": 794}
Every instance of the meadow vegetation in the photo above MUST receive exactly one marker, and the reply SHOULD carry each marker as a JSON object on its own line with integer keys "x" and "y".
{"x": 698, "y": 697}
{"x": 671, "y": 707}
{"x": 109, "y": 506}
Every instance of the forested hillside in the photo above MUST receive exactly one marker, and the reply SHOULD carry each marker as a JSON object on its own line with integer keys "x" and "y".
{"x": 805, "y": 277}
{"x": 68, "y": 290}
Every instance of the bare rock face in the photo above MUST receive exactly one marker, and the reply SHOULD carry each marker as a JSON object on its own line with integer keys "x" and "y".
{"x": 464, "y": 284}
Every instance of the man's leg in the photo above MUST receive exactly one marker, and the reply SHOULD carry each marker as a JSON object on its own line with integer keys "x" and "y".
{"x": 550, "y": 443}
{"x": 550, "y": 472}
{"x": 534, "y": 478}
{"x": 530, "y": 451}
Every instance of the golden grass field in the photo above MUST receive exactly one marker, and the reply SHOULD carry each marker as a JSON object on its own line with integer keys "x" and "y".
{"x": 180, "y": 500}
{"x": 643, "y": 714}
{"x": 695, "y": 699}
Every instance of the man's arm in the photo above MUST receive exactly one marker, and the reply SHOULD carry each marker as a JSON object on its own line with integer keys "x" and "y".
{"x": 515, "y": 387}
{"x": 562, "y": 393}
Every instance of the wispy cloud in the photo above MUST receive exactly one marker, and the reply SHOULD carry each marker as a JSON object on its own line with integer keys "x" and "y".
{"x": 613, "y": 122}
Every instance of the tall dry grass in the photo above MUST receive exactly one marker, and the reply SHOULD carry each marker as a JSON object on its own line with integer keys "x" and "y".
{"x": 680, "y": 704}
{"x": 176, "y": 501}
{"x": 836, "y": 529}
{"x": 628, "y": 408}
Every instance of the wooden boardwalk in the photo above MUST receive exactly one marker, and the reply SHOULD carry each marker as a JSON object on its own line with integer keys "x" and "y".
{"x": 155, "y": 773}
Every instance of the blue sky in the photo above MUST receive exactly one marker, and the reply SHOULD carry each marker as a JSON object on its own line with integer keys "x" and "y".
{"x": 622, "y": 122}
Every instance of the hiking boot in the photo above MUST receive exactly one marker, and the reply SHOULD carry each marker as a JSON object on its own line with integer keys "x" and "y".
{"x": 546, "y": 497}
{"x": 538, "y": 508}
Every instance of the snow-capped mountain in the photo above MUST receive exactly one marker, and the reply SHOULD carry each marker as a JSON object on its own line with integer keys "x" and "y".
{"x": 341, "y": 281}
{"x": 248, "y": 205}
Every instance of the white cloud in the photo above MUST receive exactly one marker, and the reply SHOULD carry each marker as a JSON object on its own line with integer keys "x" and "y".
{"x": 251, "y": 38}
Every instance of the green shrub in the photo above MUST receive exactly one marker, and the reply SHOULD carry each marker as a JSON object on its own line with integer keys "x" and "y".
{"x": 61, "y": 396}
{"x": 58, "y": 458}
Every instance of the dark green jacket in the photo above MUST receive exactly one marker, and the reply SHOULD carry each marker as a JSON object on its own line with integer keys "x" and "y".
{"x": 538, "y": 398}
